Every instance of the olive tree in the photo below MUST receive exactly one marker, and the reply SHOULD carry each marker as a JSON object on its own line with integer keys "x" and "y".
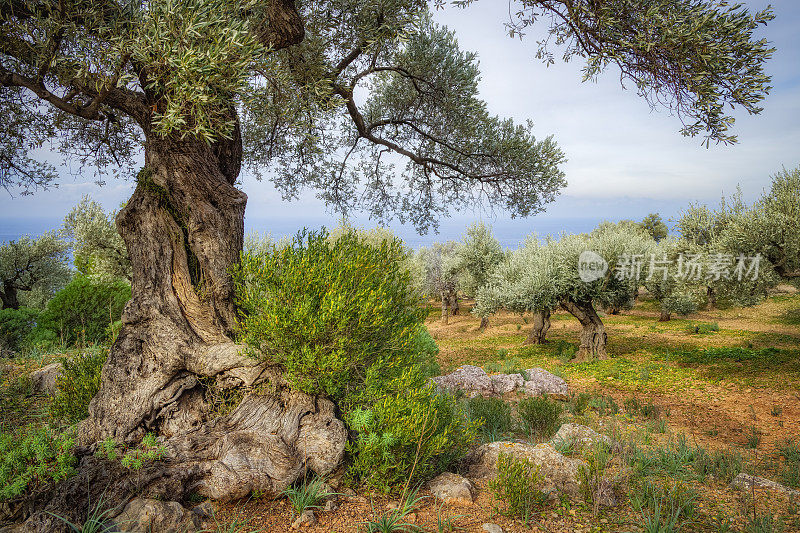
{"x": 330, "y": 95}
{"x": 653, "y": 225}
{"x": 31, "y": 264}
{"x": 674, "y": 291}
{"x": 440, "y": 266}
{"x": 98, "y": 249}
{"x": 476, "y": 255}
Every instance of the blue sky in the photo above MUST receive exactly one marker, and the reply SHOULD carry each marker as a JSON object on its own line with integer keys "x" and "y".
{"x": 624, "y": 160}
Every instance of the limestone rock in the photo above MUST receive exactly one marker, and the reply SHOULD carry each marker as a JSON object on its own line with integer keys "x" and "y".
{"x": 452, "y": 488}
{"x": 747, "y": 482}
{"x": 145, "y": 514}
{"x": 306, "y": 518}
{"x": 492, "y": 528}
{"x": 44, "y": 379}
{"x": 582, "y": 436}
{"x": 541, "y": 382}
{"x": 503, "y": 383}
{"x": 555, "y": 470}
{"x": 468, "y": 378}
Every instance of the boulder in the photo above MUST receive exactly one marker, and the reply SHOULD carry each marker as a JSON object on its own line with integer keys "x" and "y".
{"x": 503, "y": 383}
{"x": 452, "y": 488}
{"x": 747, "y": 482}
{"x": 43, "y": 380}
{"x": 582, "y": 436}
{"x": 469, "y": 378}
{"x": 492, "y": 528}
{"x": 541, "y": 382}
{"x": 555, "y": 470}
{"x": 145, "y": 514}
{"x": 306, "y": 518}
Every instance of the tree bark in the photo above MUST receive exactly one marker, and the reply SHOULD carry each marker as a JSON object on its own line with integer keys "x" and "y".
{"x": 454, "y": 303}
{"x": 445, "y": 308}
{"x": 593, "y": 337}
{"x": 541, "y": 323}
{"x": 666, "y": 316}
{"x": 484, "y": 323}
{"x": 184, "y": 228}
{"x": 9, "y": 298}
{"x": 712, "y": 298}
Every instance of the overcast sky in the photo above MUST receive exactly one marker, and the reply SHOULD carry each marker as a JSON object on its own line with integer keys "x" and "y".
{"x": 624, "y": 160}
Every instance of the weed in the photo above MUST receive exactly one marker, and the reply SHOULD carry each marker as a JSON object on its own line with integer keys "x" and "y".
{"x": 631, "y": 406}
{"x": 664, "y": 508}
{"x": 765, "y": 524}
{"x": 657, "y": 426}
{"x": 777, "y": 410}
{"x": 723, "y": 465}
{"x": 97, "y": 520}
{"x": 593, "y": 480}
{"x": 494, "y": 414}
{"x": 753, "y": 438}
{"x": 444, "y": 524}
{"x": 307, "y": 495}
{"x": 790, "y": 450}
{"x": 604, "y": 405}
{"x": 703, "y": 328}
{"x": 515, "y": 485}
{"x": 77, "y": 384}
{"x": 33, "y": 456}
{"x": 539, "y": 417}
{"x": 394, "y": 521}
{"x": 578, "y": 403}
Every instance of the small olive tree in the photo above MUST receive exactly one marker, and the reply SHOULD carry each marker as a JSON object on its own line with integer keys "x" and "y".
{"x": 654, "y": 226}
{"x": 441, "y": 275}
{"x": 32, "y": 265}
{"x": 98, "y": 248}
{"x": 476, "y": 256}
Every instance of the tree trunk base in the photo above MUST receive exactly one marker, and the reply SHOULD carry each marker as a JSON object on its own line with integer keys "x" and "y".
{"x": 538, "y": 333}
{"x": 265, "y": 444}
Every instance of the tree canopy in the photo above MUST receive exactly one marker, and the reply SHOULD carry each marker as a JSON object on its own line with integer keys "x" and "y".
{"x": 32, "y": 264}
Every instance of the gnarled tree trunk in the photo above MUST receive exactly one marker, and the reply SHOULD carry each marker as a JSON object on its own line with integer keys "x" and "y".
{"x": 184, "y": 228}
{"x": 593, "y": 336}
{"x": 8, "y": 296}
{"x": 712, "y": 298}
{"x": 541, "y": 323}
{"x": 666, "y": 316}
{"x": 484, "y": 323}
{"x": 445, "y": 308}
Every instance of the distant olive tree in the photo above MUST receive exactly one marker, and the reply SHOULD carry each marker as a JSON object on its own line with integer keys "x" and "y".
{"x": 32, "y": 264}
{"x": 653, "y": 225}
{"x": 476, "y": 256}
{"x": 440, "y": 265}
{"x": 98, "y": 248}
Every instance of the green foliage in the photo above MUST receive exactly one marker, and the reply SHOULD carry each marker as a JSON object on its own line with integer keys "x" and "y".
{"x": 539, "y": 417}
{"x": 724, "y": 465}
{"x": 515, "y": 486}
{"x": 307, "y": 494}
{"x": 98, "y": 249}
{"x": 664, "y": 507}
{"x": 15, "y": 327}
{"x": 33, "y": 456}
{"x": 765, "y": 523}
{"x": 737, "y": 354}
{"x": 77, "y": 384}
{"x": 98, "y": 520}
{"x": 703, "y": 328}
{"x": 407, "y": 436}
{"x": 83, "y": 310}
{"x": 790, "y": 450}
{"x": 592, "y": 478}
{"x": 604, "y": 405}
{"x": 578, "y": 403}
{"x": 394, "y": 521}
{"x": 493, "y": 416}
{"x": 476, "y": 256}
{"x": 30, "y": 265}
{"x": 339, "y": 317}
{"x": 132, "y": 458}
{"x": 654, "y": 226}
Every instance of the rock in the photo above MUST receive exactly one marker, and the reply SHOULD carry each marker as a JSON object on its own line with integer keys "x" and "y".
{"x": 492, "y": 528}
{"x": 44, "y": 379}
{"x": 145, "y": 514}
{"x": 747, "y": 482}
{"x": 202, "y": 512}
{"x": 452, "y": 488}
{"x": 581, "y": 436}
{"x": 391, "y": 506}
{"x": 306, "y": 518}
{"x": 541, "y": 382}
{"x": 468, "y": 378}
{"x": 504, "y": 383}
{"x": 330, "y": 506}
{"x": 555, "y": 470}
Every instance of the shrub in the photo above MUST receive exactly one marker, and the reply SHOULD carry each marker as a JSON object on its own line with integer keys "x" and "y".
{"x": 82, "y": 311}
{"x": 307, "y": 495}
{"x": 493, "y": 415}
{"x": 408, "y": 436}
{"x": 539, "y": 417}
{"x": 34, "y": 456}
{"x": 15, "y": 326}
{"x": 340, "y": 317}
{"x": 515, "y": 485}
{"x": 723, "y": 465}
{"x": 77, "y": 385}
{"x": 578, "y": 403}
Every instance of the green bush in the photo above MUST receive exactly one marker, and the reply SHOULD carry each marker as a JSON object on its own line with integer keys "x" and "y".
{"x": 408, "y": 437}
{"x": 33, "y": 456}
{"x": 340, "y": 317}
{"x": 493, "y": 415}
{"x": 539, "y": 417}
{"x": 82, "y": 311}
{"x": 77, "y": 385}
{"x": 15, "y": 327}
{"x": 515, "y": 485}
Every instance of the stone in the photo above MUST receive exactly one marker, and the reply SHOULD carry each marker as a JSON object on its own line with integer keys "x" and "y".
{"x": 555, "y": 470}
{"x": 452, "y": 488}
{"x": 44, "y": 379}
{"x": 504, "y": 383}
{"x": 330, "y": 506}
{"x": 747, "y": 482}
{"x": 492, "y": 528}
{"x": 468, "y": 378}
{"x": 306, "y": 518}
{"x": 146, "y": 514}
{"x": 541, "y": 382}
{"x": 582, "y": 436}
